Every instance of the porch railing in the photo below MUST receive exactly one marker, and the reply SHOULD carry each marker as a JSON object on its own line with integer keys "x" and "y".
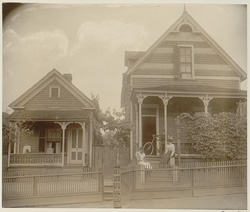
{"x": 35, "y": 159}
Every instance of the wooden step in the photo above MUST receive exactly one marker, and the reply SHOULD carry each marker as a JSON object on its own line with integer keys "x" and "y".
{"x": 108, "y": 195}
{"x": 108, "y": 190}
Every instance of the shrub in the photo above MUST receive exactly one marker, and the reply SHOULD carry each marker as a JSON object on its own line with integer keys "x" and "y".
{"x": 222, "y": 136}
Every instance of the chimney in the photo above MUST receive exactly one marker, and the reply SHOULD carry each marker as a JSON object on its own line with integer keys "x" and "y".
{"x": 68, "y": 77}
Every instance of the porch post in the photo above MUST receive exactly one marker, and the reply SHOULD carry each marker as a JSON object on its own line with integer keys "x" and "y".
{"x": 131, "y": 132}
{"x": 206, "y": 101}
{"x": 63, "y": 141}
{"x": 90, "y": 138}
{"x": 63, "y": 126}
{"x": 84, "y": 144}
{"x": 140, "y": 100}
{"x": 16, "y": 139}
{"x": 15, "y": 147}
{"x": 136, "y": 126}
{"x": 165, "y": 100}
{"x": 9, "y": 151}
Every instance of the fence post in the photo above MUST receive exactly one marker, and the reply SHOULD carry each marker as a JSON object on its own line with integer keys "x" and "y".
{"x": 117, "y": 187}
{"x": 192, "y": 181}
{"x": 34, "y": 186}
{"x": 101, "y": 182}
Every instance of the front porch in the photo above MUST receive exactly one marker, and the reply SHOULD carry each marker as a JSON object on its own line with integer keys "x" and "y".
{"x": 154, "y": 111}
{"x": 52, "y": 144}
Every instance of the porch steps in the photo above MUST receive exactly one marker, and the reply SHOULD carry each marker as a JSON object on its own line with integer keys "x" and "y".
{"x": 108, "y": 190}
{"x": 154, "y": 161}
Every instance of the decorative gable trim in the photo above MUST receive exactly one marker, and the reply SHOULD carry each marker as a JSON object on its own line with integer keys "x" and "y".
{"x": 185, "y": 18}
{"x": 45, "y": 81}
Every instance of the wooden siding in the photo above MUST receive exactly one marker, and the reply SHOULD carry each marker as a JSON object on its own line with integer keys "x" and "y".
{"x": 30, "y": 140}
{"x": 184, "y": 36}
{"x": 155, "y": 82}
{"x": 215, "y": 73}
{"x": 160, "y": 58}
{"x": 156, "y": 66}
{"x": 207, "y": 62}
{"x": 208, "y": 59}
{"x": 194, "y": 43}
{"x": 155, "y": 71}
{"x": 212, "y": 67}
{"x": 206, "y": 51}
{"x": 42, "y": 101}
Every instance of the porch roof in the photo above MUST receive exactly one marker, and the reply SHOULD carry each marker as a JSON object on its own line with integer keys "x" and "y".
{"x": 190, "y": 89}
{"x": 49, "y": 115}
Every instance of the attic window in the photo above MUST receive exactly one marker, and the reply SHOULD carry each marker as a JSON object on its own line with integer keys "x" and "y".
{"x": 186, "y": 62}
{"x": 54, "y": 92}
{"x": 185, "y": 28}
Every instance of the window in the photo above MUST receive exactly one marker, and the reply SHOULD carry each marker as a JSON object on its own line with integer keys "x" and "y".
{"x": 42, "y": 141}
{"x": 185, "y": 62}
{"x": 50, "y": 138}
{"x": 54, "y": 92}
{"x": 185, "y": 28}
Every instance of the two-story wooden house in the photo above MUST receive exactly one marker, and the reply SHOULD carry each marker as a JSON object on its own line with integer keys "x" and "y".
{"x": 62, "y": 124}
{"x": 185, "y": 70}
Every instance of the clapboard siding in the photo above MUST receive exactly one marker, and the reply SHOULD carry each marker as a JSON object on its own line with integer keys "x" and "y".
{"x": 215, "y": 73}
{"x": 156, "y": 66}
{"x": 208, "y": 59}
{"x": 155, "y": 71}
{"x": 198, "y": 59}
{"x": 160, "y": 58}
{"x": 30, "y": 140}
{"x": 184, "y": 36}
{"x": 155, "y": 82}
{"x": 207, "y": 51}
{"x": 43, "y": 101}
{"x": 196, "y": 44}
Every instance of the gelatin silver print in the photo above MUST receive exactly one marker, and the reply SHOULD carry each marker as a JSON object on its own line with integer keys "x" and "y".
{"x": 118, "y": 105}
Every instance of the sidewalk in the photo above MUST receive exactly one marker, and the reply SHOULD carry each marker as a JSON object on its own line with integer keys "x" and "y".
{"x": 225, "y": 202}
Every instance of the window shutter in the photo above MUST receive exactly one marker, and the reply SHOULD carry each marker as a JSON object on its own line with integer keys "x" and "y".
{"x": 176, "y": 62}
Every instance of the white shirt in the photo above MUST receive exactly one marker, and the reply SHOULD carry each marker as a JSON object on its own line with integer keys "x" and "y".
{"x": 170, "y": 147}
{"x": 140, "y": 156}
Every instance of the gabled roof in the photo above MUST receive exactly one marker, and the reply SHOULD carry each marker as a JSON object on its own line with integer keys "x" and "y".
{"x": 187, "y": 18}
{"x": 45, "y": 81}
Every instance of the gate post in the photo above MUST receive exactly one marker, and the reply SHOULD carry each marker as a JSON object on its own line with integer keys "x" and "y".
{"x": 117, "y": 187}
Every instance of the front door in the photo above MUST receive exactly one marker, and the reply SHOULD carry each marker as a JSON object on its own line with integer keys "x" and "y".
{"x": 149, "y": 129}
{"x": 76, "y": 146}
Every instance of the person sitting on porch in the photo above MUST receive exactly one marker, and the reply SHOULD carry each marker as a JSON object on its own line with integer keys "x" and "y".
{"x": 141, "y": 159}
{"x": 169, "y": 153}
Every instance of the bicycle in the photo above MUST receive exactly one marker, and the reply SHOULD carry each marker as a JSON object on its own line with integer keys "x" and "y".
{"x": 148, "y": 147}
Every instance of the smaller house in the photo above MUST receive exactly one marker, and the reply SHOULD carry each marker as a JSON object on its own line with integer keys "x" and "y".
{"x": 61, "y": 119}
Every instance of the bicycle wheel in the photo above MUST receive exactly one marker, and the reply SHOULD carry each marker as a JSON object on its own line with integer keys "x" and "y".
{"x": 148, "y": 148}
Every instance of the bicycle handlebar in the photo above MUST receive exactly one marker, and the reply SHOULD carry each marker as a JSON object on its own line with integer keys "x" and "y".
{"x": 155, "y": 136}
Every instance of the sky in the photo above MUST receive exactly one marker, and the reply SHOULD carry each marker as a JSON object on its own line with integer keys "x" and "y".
{"x": 89, "y": 41}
